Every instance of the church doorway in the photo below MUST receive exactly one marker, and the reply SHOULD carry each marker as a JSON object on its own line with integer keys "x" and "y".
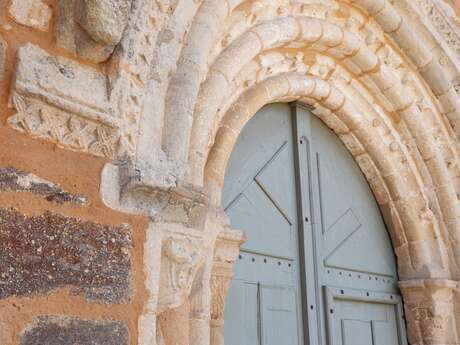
{"x": 318, "y": 266}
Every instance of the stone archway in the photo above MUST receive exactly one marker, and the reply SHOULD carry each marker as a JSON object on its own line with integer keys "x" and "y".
{"x": 411, "y": 256}
{"x": 181, "y": 80}
{"x": 374, "y": 81}
{"x": 378, "y": 104}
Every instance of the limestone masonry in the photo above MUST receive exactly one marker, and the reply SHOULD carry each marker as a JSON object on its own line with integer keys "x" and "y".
{"x": 118, "y": 118}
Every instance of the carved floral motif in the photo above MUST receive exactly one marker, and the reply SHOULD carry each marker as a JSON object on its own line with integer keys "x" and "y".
{"x": 438, "y": 19}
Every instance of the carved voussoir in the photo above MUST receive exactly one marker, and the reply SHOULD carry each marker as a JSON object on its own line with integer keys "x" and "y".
{"x": 182, "y": 256}
{"x": 438, "y": 17}
{"x": 63, "y": 102}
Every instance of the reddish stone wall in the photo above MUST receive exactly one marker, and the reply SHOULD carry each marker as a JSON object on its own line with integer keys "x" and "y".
{"x": 39, "y": 285}
{"x": 36, "y": 221}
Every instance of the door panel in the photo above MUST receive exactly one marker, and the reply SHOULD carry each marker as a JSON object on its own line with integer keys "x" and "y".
{"x": 242, "y": 326}
{"x": 260, "y": 198}
{"x": 318, "y": 255}
{"x": 367, "y": 318}
{"x": 278, "y": 315}
{"x": 354, "y": 235}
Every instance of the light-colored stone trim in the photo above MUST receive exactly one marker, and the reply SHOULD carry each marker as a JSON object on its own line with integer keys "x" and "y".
{"x": 54, "y": 102}
{"x": 430, "y": 306}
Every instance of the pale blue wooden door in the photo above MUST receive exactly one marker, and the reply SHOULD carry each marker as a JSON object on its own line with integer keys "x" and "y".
{"x": 318, "y": 256}
{"x": 263, "y": 305}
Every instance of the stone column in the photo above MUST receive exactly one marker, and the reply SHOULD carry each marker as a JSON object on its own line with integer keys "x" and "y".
{"x": 226, "y": 251}
{"x": 174, "y": 254}
{"x": 152, "y": 259}
{"x": 430, "y": 311}
{"x": 200, "y": 303}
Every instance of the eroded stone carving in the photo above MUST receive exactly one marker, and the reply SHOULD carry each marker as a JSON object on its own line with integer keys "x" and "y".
{"x": 63, "y": 102}
{"x": 226, "y": 251}
{"x": 182, "y": 256}
{"x": 92, "y": 28}
{"x": 438, "y": 18}
{"x": 430, "y": 311}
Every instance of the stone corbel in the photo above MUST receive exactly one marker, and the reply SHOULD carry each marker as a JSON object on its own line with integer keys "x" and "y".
{"x": 226, "y": 252}
{"x": 130, "y": 189}
{"x": 430, "y": 311}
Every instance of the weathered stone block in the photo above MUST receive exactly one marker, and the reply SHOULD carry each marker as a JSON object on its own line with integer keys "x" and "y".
{"x": 62, "y": 330}
{"x": 64, "y": 102}
{"x": 33, "y": 13}
{"x": 13, "y": 180}
{"x": 92, "y": 28}
{"x": 42, "y": 253}
{"x": 103, "y": 20}
{"x": 60, "y": 81}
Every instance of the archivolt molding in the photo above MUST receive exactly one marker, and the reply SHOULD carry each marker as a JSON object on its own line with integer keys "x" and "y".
{"x": 372, "y": 71}
{"x": 417, "y": 232}
{"x": 392, "y": 83}
{"x": 379, "y": 150}
{"x": 240, "y": 16}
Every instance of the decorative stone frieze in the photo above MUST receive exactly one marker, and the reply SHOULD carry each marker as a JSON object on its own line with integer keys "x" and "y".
{"x": 63, "y": 102}
{"x": 430, "y": 307}
{"x": 67, "y": 330}
{"x": 33, "y": 13}
{"x": 438, "y": 15}
{"x": 92, "y": 28}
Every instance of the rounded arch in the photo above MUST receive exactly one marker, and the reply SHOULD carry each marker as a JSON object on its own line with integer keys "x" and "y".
{"x": 417, "y": 232}
{"x": 373, "y": 73}
{"x": 219, "y": 24}
{"x": 368, "y": 65}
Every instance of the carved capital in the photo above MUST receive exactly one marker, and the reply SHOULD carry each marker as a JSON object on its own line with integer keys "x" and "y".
{"x": 227, "y": 248}
{"x": 226, "y": 252}
{"x": 182, "y": 256}
{"x": 430, "y": 311}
